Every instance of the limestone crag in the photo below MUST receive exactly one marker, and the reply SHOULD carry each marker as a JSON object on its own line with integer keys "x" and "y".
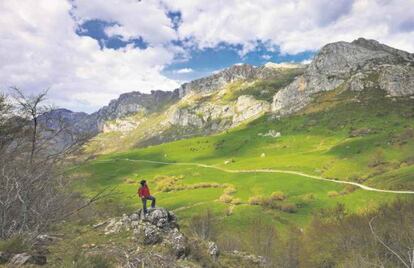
{"x": 219, "y": 116}
{"x": 135, "y": 102}
{"x": 347, "y": 63}
{"x": 236, "y": 72}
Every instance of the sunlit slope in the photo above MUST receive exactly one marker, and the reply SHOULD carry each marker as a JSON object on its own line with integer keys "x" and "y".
{"x": 362, "y": 137}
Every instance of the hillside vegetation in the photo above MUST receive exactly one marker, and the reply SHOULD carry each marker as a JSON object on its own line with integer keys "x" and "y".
{"x": 353, "y": 140}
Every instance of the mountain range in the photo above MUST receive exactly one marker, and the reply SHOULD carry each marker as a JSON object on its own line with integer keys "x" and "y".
{"x": 239, "y": 94}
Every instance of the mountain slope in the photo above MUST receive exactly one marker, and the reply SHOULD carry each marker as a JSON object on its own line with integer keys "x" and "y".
{"x": 243, "y": 93}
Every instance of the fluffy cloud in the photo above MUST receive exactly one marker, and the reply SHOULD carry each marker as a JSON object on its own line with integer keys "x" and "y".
{"x": 295, "y": 26}
{"x": 132, "y": 18}
{"x": 40, "y": 49}
{"x": 184, "y": 71}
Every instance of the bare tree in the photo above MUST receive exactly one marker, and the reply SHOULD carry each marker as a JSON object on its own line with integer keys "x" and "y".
{"x": 405, "y": 258}
{"x": 31, "y": 107}
{"x": 33, "y": 185}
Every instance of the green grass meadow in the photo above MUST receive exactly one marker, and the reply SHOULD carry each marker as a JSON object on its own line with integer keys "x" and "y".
{"x": 354, "y": 141}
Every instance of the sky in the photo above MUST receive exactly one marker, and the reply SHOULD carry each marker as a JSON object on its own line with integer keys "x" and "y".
{"x": 87, "y": 52}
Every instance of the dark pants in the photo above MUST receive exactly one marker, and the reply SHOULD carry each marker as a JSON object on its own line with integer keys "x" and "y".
{"x": 144, "y": 202}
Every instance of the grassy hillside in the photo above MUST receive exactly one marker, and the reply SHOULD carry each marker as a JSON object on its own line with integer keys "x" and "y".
{"x": 342, "y": 136}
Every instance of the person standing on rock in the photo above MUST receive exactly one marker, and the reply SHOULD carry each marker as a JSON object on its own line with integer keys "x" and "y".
{"x": 144, "y": 194}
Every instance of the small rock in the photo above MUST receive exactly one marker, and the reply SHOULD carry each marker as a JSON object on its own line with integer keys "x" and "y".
{"x": 148, "y": 234}
{"x": 178, "y": 243}
{"x": 134, "y": 217}
{"x": 99, "y": 224}
{"x": 213, "y": 250}
{"x": 25, "y": 258}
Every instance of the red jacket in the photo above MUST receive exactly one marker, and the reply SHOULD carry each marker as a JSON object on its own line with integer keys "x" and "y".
{"x": 143, "y": 191}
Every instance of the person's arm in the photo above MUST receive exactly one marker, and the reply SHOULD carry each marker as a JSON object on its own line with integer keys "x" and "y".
{"x": 139, "y": 192}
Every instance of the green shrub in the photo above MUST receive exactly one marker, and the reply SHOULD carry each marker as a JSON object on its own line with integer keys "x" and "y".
{"x": 16, "y": 244}
{"x": 225, "y": 198}
{"x": 256, "y": 200}
{"x": 236, "y": 201}
{"x": 333, "y": 194}
{"x": 278, "y": 196}
{"x": 308, "y": 197}
{"x": 80, "y": 260}
{"x": 289, "y": 207}
{"x": 230, "y": 190}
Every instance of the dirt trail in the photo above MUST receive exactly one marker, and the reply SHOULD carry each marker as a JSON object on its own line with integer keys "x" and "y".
{"x": 364, "y": 187}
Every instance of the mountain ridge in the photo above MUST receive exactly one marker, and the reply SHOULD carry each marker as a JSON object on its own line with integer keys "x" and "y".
{"x": 243, "y": 92}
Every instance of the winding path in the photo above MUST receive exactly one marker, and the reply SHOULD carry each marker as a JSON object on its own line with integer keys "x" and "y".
{"x": 364, "y": 187}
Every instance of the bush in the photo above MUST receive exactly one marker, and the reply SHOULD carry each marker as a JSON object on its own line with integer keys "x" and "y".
{"x": 289, "y": 207}
{"x": 308, "y": 197}
{"x": 278, "y": 196}
{"x": 225, "y": 198}
{"x": 230, "y": 190}
{"x": 167, "y": 183}
{"x": 14, "y": 244}
{"x": 333, "y": 194}
{"x": 256, "y": 200}
{"x": 236, "y": 201}
{"x": 83, "y": 261}
{"x": 349, "y": 189}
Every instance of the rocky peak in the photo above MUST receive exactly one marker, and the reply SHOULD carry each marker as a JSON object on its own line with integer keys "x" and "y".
{"x": 375, "y": 45}
{"x": 133, "y": 102}
{"x": 352, "y": 65}
{"x": 343, "y": 58}
{"x": 236, "y": 72}
{"x": 218, "y": 80}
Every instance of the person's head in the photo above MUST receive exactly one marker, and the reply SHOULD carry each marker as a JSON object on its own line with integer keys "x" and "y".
{"x": 143, "y": 182}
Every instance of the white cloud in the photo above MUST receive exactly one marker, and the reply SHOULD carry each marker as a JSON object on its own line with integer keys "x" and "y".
{"x": 40, "y": 49}
{"x": 307, "y": 61}
{"x": 266, "y": 57}
{"x": 295, "y": 26}
{"x": 134, "y": 19}
{"x": 184, "y": 71}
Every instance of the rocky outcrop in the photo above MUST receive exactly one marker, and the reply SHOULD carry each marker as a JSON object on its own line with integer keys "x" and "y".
{"x": 351, "y": 64}
{"x": 397, "y": 80}
{"x": 216, "y": 116}
{"x": 245, "y": 72}
{"x": 248, "y": 108}
{"x": 135, "y": 102}
{"x": 25, "y": 258}
{"x": 158, "y": 227}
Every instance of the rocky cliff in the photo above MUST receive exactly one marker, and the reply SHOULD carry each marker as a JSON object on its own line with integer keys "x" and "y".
{"x": 356, "y": 65}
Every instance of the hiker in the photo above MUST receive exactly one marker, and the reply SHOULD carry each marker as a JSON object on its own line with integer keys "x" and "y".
{"x": 144, "y": 194}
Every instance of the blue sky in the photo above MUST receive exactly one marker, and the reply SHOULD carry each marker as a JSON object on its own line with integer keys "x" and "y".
{"x": 87, "y": 52}
{"x": 199, "y": 62}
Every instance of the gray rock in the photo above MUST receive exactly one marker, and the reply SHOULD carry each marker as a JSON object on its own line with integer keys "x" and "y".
{"x": 148, "y": 234}
{"x": 213, "y": 250}
{"x": 177, "y": 242}
{"x": 247, "y": 107}
{"x": 25, "y": 258}
{"x": 397, "y": 80}
{"x": 349, "y": 63}
{"x": 161, "y": 218}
